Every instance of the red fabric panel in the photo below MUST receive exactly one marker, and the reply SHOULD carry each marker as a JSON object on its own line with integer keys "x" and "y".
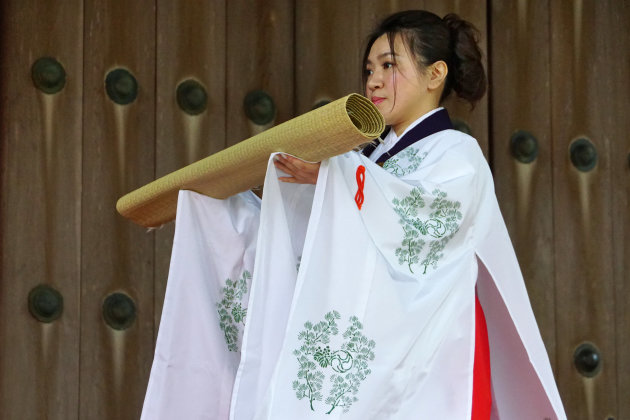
{"x": 482, "y": 387}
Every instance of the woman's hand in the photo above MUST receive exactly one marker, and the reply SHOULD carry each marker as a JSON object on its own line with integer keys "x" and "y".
{"x": 299, "y": 172}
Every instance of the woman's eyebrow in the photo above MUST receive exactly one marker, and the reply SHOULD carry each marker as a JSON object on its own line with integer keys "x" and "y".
{"x": 385, "y": 54}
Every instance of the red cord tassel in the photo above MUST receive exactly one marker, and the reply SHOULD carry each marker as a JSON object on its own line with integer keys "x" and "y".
{"x": 358, "y": 198}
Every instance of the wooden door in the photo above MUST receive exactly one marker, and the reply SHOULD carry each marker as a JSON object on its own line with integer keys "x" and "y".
{"x": 116, "y": 256}
{"x": 590, "y": 82}
{"x": 128, "y": 92}
{"x": 41, "y": 178}
{"x": 522, "y": 148}
{"x": 560, "y": 158}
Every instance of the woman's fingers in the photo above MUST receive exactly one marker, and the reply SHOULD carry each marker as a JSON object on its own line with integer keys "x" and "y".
{"x": 299, "y": 171}
{"x": 290, "y": 163}
{"x": 284, "y": 163}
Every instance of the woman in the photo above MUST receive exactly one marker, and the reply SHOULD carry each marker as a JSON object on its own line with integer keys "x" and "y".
{"x": 435, "y": 192}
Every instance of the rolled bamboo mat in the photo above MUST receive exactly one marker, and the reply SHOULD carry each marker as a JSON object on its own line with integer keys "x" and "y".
{"x": 330, "y": 130}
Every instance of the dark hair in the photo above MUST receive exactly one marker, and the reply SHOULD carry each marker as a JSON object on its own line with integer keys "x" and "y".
{"x": 430, "y": 39}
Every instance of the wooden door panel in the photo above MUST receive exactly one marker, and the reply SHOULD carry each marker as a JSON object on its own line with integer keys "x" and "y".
{"x": 190, "y": 47}
{"x": 617, "y": 126}
{"x": 585, "y": 293}
{"x": 260, "y": 56}
{"x": 41, "y": 208}
{"x": 328, "y": 51}
{"x": 117, "y": 256}
{"x": 521, "y": 102}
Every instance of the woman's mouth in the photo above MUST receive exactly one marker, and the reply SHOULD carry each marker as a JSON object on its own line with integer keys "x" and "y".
{"x": 377, "y": 100}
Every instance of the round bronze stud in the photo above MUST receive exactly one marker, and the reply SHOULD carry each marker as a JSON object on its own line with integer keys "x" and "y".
{"x": 45, "y": 303}
{"x": 48, "y": 75}
{"x": 587, "y": 360}
{"x": 259, "y": 107}
{"x": 583, "y": 154}
{"x": 121, "y": 86}
{"x": 524, "y": 146}
{"x": 192, "y": 97}
{"x": 119, "y": 311}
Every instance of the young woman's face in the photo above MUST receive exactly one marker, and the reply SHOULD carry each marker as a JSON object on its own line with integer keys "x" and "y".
{"x": 397, "y": 88}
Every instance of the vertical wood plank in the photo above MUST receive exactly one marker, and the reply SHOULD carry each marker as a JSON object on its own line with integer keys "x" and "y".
{"x": 117, "y": 256}
{"x": 40, "y": 208}
{"x": 259, "y": 58}
{"x": 328, "y": 51}
{"x": 190, "y": 46}
{"x": 581, "y": 56}
{"x": 521, "y": 97}
{"x": 617, "y": 129}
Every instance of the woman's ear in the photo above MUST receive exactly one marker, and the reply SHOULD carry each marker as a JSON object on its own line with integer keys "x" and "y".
{"x": 437, "y": 74}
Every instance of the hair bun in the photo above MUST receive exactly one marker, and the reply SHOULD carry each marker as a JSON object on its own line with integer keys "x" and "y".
{"x": 469, "y": 76}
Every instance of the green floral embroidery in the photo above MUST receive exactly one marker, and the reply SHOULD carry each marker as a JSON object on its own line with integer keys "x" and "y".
{"x": 231, "y": 310}
{"x": 413, "y": 158}
{"x": 442, "y": 224}
{"x": 349, "y": 364}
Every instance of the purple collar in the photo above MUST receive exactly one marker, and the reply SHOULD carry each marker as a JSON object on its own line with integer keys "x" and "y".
{"x": 434, "y": 123}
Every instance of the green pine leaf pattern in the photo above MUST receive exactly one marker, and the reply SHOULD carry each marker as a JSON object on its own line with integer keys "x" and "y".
{"x": 438, "y": 229}
{"x": 434, "y": 230}
{"x": 412, "y": 159}
{"x": 231, "y": 311}
{"x": 348, "y": 366}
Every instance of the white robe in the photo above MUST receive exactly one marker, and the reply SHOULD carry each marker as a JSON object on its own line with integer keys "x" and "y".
{"x": 378, "y": 322}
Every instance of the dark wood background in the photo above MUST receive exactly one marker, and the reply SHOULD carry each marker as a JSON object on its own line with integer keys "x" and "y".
{"x": 558, "y": 69}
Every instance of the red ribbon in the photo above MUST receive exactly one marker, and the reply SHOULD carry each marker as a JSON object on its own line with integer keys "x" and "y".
{"x": 358, "y": 198}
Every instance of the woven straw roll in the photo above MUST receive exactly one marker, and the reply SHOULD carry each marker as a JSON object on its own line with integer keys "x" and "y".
{"x": 330, "y": 130}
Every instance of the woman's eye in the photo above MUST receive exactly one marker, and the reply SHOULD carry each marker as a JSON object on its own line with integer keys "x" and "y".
{"x": 388, "y": 65}
{"x": 368, "y": 72}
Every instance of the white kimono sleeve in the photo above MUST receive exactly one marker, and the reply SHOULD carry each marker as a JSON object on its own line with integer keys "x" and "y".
{"x": 205, "y": 308}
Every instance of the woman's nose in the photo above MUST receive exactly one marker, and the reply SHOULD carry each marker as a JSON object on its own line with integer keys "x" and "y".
{"x": 374, "y": 82}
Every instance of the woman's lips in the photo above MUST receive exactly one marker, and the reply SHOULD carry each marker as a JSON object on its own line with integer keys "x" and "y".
{"x": 377, "y": 100}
